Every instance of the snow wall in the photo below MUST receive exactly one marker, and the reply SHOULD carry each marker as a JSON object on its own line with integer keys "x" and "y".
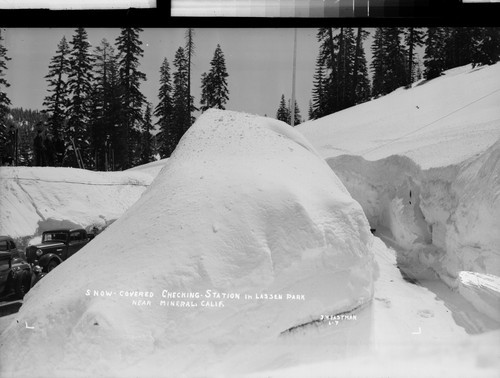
{"x": 446, "y": 218}
{"x": 36, "y": 199}
{"x": 245, "y": 236}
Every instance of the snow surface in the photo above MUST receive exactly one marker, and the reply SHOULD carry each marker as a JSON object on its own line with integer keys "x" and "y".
{"x": 243, "y": 206}
{"x": 436, "y": 123}
{"x": 424, "y": 163}
{"x": 35, "y": 199}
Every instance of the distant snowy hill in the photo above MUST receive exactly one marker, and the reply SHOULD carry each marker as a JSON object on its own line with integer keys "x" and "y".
{"x": 34, "y": 199}
{"x": 436, "y": 123}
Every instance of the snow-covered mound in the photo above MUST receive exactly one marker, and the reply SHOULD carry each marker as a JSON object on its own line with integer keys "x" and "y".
{"x": 34, "y": 199}
{"x": 244, "y": 237}
{"x": 425, "y": 165}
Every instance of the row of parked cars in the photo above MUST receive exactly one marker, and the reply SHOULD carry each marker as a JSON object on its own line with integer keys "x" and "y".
{"x": 19, "y": 271}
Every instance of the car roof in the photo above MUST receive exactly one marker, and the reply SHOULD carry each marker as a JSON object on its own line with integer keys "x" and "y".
{"x": 5, "y": 238}
{"x": 64, "y": 230}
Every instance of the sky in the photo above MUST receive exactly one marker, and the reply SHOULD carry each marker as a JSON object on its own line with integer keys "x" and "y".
{"x": 258, "y": 61}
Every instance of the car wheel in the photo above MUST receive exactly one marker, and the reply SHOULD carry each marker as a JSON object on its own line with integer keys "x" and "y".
{"x": 22, "y": 284}
{"x": 52, "y": 265}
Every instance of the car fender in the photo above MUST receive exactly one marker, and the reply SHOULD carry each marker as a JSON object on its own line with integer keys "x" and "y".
{"x": 44, "y": 260}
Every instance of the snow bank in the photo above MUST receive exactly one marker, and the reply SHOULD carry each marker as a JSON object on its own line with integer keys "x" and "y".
{"x": 444, "y": 217}
{"x": 34, "y": 199}
{"x": 244, "y": 237}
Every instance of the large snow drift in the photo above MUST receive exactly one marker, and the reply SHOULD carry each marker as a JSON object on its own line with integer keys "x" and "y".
{"x": 244, "y": 236}
{"x": 424, "y": 163}
{"x": 34, "y": 199}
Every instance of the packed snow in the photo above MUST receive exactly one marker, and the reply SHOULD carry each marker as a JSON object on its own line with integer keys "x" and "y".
{"x": 424, "y": 163}
{"x": 245, "y": 236}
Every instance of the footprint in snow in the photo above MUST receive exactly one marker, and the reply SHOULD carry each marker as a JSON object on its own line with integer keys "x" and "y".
{"x": 386, "y": 302}
{"x": 425, "y": 313}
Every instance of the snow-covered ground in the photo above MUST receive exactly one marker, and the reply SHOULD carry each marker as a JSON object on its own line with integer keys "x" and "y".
{"x": 248, "y": 256}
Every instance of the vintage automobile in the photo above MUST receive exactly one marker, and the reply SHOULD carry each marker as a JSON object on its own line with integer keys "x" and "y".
{"x": 56, "y": 246}
{"x": 16, "y": 275}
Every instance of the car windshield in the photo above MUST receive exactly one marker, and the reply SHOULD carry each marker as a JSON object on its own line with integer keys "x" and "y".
{"x": 3, "y": 245}
{"x": 54, "y": 236}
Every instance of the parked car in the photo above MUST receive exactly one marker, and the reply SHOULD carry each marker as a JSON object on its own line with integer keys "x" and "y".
{"x": 7, "y": 244}
{"x": 14, "y": 280}
{"x": 16, "y": 276}
{"x": 56, "y": 246}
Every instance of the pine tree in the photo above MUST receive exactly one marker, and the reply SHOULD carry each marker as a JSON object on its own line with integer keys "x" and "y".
{"x": 189, "y": 51}
{"x": 163, "y": 111}
{"x": 80, "y": 88}
{"x": 319, "y": 94}
{"x": 105, "y": 101}
{"x": 414, "y": 37}
{"x": 434, "y": 57}
{"x": 310, "y": 111}
{"x": 147, "y": 151}
{"x": 181, "y": 118}
{"x": 297, "y": 116}
{"x": 132, "y": 100}
{"x": 4, "y": 100}
{"x": 360, "y": 81}
{"x": 388, "y": 64}
{"x": 283, "y": 113}
{"x": 215, "y": 93}
{"x": 395, "y": 58}
{"x": 378, "y": 64}
{"x": 487, "y": 46}
{"x": 56, "y": 103}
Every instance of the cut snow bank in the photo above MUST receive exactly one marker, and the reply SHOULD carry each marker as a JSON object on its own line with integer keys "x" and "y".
{"x": 35, "y": 199}
{"x": 447, "y": 218}
{"x": 245, "y": 236}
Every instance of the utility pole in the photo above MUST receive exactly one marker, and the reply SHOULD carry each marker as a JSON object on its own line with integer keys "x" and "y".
{"x": 293, "y": 74}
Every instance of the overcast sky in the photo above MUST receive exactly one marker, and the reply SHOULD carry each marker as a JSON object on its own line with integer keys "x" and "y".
{"x": 258, "y": 61}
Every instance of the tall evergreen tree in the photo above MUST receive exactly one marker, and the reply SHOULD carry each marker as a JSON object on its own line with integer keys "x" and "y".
{"x": 132, "y": 99}
{"x": 147, "y": 150}
{"x": 395, "y": 58}
{"x": 105, "y": 102}
{"x": 80, "y": 88}
{"x": 414, "y": 38}
{"x": 215, "y": 93}
{"x": 319, "y": 93}
{"x": 297, "y": 116}
{"x": 4, "y": 100}
{"x": 378, "y": 64}
{"x": 388, "y": 64}
{"x": 181, "y": 116}
{"x": 487, "y": 46}
{"x": 360, "y": 82}
{"x": 57, "y": 101}
{"x": 189, "y": 52}
{"x": 283, "y": 113}
{"x": 163, "y": 111}
{"x": 434, "y": 57}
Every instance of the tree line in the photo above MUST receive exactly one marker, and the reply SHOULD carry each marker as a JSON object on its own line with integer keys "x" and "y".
{"x": 341, "y": 76}
{"x": 96, "y": 108}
